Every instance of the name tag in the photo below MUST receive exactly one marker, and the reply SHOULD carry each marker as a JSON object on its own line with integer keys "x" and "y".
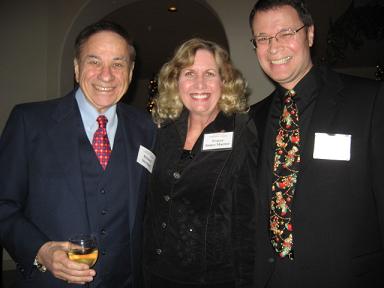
{"x": 146, "y": 158}
{"x": 332, "y": 146}
{"x": 217, "y": 141}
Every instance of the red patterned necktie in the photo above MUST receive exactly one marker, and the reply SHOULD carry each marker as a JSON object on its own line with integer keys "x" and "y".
{"x": 100, "y": 142}
{"x": 285, "y": 170}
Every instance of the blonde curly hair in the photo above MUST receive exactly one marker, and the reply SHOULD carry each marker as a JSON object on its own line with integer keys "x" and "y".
{"x": 167, "y": 104}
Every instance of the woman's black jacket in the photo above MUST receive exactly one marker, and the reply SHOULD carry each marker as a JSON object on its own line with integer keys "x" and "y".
{"x": 199, "y": 219}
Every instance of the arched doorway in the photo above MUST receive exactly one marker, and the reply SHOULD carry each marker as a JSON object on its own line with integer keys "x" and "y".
{"x": 156, "y": 32}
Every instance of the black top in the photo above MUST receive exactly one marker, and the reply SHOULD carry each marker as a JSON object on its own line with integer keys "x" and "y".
{"x": 200, "y": 209}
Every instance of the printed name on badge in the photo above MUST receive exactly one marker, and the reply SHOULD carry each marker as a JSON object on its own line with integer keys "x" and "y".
{"x": 332, "y": 146}
{"x": 146, "y": 158}
{"x": 217, "y": 141}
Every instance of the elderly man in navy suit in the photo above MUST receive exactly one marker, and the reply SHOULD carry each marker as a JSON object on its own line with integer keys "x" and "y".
{"x": 321, "y": 198}
{"x": 78, "y": 164}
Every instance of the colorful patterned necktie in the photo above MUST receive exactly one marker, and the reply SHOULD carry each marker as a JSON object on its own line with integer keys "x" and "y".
{"x": 285, "y": 170}
{"x": 100, "y": 142}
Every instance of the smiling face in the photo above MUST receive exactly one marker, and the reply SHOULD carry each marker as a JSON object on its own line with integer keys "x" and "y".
{"x": 285, "y": 63}
{"x": 104, "y": 69}
{"x": 200, "y": 86}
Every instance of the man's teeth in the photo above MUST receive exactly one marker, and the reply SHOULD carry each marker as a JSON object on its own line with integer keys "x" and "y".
{"x": 282, "y": 60}
{"x": 103, "y": 88}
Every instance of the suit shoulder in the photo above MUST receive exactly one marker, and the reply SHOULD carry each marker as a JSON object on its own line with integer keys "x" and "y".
{"x": 356, "y": 80}
{"x": 355, "y": 86}
{"x": 137, "y": 115}
{"x": 37, "y": 105}
{"x": 131, "y": 111}
{"x": 349, "y": 81}
{"x": 245, "y": 126}
{"x": 35, "y": 112}
{"x": 45, "y": 105}
{"x": 260, "y": 109}
{"x": 262, "y": 103}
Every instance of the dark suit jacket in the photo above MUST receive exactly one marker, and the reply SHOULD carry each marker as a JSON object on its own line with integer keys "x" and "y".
{"x": 41, "y": 190}
{"x": 338, "y": 208}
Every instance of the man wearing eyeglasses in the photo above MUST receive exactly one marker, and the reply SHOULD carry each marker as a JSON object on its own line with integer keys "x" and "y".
{"x": 321, "y": 200}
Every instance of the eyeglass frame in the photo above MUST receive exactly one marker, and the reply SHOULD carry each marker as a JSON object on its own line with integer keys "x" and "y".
{"x": 269, "y": 38}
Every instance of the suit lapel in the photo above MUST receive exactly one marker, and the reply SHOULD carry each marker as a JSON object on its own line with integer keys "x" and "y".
{"x": 64, "y": 138}
{"x": 132, "y": 138}
{"x": 261, "y": 113}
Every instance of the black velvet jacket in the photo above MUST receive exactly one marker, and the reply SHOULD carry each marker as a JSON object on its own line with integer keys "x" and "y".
{"x": 199, "y": 223}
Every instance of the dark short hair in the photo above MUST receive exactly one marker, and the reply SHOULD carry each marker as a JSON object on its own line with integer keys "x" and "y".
{"x": 100, "y": 26}
{"x": 299, "y": 5}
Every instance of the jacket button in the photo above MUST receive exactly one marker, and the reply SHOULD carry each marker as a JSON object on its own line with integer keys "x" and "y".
{"x": 103, "y": 232}
{"x": 163, "y": 225}
{"x": 103, "y": 212}
{"x": 102, "y": 191}
{"x": 167, "y": 198}
{"x": 271, "y": 260}
{"x": 176, "y": 175}
{"x": 158, "y": 251}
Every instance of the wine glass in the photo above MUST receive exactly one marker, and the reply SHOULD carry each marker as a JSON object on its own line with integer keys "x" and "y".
{"x": 83, "y": 249}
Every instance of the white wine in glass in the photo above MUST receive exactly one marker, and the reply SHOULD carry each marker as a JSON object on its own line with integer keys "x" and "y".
{"x": 83, "y": 249}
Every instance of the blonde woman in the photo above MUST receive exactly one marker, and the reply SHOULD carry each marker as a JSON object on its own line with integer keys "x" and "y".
{"x": 199, "y": 223}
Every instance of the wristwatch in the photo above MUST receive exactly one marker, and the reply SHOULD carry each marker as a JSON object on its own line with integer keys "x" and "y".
{"x": 39, "y": 266}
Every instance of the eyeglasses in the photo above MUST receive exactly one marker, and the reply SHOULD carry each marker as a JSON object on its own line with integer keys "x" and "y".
{"x": 283, "y": 36}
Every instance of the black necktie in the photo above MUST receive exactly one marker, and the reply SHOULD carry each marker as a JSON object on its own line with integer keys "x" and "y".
{"x": 285, "y": 171}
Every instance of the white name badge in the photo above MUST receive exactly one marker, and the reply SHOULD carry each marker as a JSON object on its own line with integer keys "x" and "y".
{"x": 146, "y": 158}
{"x": 332, "y": 146}
{"x": 217, "y": 141}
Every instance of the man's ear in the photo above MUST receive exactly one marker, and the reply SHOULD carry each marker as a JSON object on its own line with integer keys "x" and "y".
{"x": 311, "y": 35}
{"x": 131, "y": 71}
{"x": 76, "y": 69}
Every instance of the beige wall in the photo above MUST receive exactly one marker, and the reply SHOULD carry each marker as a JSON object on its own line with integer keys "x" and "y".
{"x": 234, "y": 17}
{"x": 23, "y": 52}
